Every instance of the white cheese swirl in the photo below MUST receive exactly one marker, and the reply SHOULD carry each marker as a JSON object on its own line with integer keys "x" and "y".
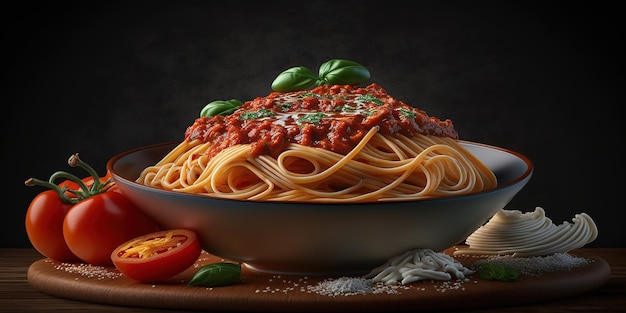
{"x": 511, "y": 232}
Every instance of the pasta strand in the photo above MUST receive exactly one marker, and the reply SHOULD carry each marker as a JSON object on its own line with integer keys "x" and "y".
{"x": 379, "y": 168}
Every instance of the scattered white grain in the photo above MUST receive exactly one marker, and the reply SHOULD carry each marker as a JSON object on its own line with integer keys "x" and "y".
{"x": 452, "y": 285}
{"x": 350, "y": 286}
{"x": 343, "y": 286}
{"x": 89, "y": 271}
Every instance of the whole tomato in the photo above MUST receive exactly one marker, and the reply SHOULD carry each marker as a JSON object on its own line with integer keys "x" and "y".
{"x": 95, "y": 226}
{"x": 44, "y": 226}
{"x": 103, "y": 217}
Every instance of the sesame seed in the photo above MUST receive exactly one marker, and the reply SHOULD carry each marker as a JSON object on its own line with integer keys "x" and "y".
{"x": 89, "y": 270}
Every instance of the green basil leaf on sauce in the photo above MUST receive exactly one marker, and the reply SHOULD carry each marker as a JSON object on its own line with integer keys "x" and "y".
{"x": 220, "y": 107}
{"x": 342, "y": 72}
{"x": 217, "y": 274}
{"x": 294, "y": 79}
{"x": 334, "y": 72}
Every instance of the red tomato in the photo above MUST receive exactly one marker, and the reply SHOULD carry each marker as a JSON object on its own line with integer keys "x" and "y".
{"x": 95, "y": 226}
{"x": 157, "y": 256}
{"x": 44, "y": 226}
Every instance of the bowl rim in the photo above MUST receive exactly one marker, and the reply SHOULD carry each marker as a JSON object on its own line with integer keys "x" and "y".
{"x": 524, "y": 176}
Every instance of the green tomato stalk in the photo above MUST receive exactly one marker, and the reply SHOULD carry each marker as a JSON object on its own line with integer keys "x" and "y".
{"x": 84, "y": 192}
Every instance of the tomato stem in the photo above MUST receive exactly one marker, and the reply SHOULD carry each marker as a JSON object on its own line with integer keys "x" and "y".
{"x": 84, "y": 192}
{"x": 74, "y": 161}
{"x": 43, "y": 183}
{"x": 66, "y": 175}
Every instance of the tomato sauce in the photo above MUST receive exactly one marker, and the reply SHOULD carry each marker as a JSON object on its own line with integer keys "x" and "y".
{"x": 331, "y": 117}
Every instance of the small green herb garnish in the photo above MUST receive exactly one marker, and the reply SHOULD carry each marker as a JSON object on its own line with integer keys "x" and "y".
{"x": 285, "y": 106}
{"x": 308, "y": 94}
{"x": 344, "y": 108}
{"x": 492, "y": 271}
{"x": 313, "y": 118}
{"x": 311, "y": 94}
{"x": 407, "y": 113}
{"x": 369, "y": 112}
{"x": 256, "y": 115}
{"x": 370, "y": 98}
{"x": 217, "y": 274}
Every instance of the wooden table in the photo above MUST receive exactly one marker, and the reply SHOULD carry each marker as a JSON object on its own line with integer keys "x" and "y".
{"x": 17, "y": 295}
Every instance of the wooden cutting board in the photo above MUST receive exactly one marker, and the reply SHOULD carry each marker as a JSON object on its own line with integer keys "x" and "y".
{"x": 262, "y": 292}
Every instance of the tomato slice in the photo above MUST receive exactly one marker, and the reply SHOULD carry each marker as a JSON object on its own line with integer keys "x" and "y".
{"x": 157, "y": 256}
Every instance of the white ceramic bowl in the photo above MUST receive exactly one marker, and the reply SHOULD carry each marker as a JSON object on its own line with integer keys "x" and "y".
{"x": 321, "y": 239}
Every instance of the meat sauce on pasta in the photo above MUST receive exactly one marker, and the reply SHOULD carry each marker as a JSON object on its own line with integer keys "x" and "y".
{"x": 331, "y": 117}
{"x": 332, "y": 143}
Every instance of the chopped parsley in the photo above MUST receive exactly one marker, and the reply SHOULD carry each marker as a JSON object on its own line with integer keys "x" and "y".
{"x": 369, "y": 112}
{"x": 370, "y": 98}
{"x": 285, "y": 106}
{"x": 256, "y": 115}
{"x": 313, "y": 118}
{"x": 407, "y": 113}
{"x": 311, "y": 94}
{"x": 344, "y": 108}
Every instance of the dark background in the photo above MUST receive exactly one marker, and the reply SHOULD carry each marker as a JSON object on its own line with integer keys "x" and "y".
{"x": 100, "y": 77}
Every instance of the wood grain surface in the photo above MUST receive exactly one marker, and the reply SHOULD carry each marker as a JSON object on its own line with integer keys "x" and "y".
{"x": 260, "y": 292}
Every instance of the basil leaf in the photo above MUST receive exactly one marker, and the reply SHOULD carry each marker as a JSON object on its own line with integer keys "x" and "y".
{"x": 294, "y": 79}
{"x": 342, "y": 72}
{"x": 334, "y": 72}
{"x": 510, "y": 274}
{"x": 490, "y": 271}
{"x": 216, "y": 274}
{"x": 220, "y": 107}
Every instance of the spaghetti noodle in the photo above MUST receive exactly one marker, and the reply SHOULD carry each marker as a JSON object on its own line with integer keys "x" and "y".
{"x": 328, "y": 144}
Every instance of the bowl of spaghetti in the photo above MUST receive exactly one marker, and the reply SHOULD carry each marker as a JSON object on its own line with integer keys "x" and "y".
{"x": 336, "y": 179}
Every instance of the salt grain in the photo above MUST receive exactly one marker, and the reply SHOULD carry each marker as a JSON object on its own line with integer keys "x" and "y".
{"x": 89, "y": 271}
{"x": 344, "y": 286}
{"x": 350, "y": 286}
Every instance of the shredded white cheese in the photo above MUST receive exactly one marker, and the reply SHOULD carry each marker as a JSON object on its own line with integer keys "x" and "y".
{"x": 421, "y": 264}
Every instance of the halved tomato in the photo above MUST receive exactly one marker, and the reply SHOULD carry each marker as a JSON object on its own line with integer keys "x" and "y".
{"x": 157, "y": 256}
